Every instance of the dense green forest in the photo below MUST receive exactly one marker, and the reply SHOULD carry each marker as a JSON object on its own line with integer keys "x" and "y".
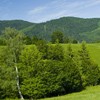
{"x": 43, "y": 69}
{"x": 17, "y": 24}
{"x": 76, "y": 28}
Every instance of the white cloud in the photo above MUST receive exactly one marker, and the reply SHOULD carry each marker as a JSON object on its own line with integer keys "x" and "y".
{"x": 36, "y": 10}
{"x": 60, "y": 8}
{"x": 51, "y": 16}
{"x": 89, "y": 3}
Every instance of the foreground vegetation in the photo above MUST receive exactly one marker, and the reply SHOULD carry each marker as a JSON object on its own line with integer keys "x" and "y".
{"x": 44, "y": 70}
{"x": 90, "y": 93}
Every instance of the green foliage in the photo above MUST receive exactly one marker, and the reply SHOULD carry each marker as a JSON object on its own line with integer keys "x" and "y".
{"x": 57, "y": 35}
{"x": 42, "y": 47}
{"x": 90, "y": 71}
{"x": 9, "y": 60}
{"x": 45, "y": 70}
{"x": 55, "y": 52}
{"x": 70, "y": 40}
{"x": 73, "y": 81}
{"x": 71, "y": 26}
{"x": 35, "y": 39}
{"x": 7, "y": 82}
{"x": 7, "y": 75}
{"x": 30, "y": 56}
{"x": 27, "y": 40}
{"x": 28, "y": 67}
{"x": 44, "y": 83}
{"x": 17, "y": 24}
{"x": 76, "y": 28}
{"x": 14, "y": 42}
{"x": 2, "y": 41}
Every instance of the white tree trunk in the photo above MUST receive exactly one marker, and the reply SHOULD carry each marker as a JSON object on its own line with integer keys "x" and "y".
{"x": 18, "y": 86}
{"x": 17, "y": 77}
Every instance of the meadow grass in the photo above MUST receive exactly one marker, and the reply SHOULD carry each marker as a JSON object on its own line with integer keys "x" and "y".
{"x": 90, "y": 93}
{"x": 93, "y": 49}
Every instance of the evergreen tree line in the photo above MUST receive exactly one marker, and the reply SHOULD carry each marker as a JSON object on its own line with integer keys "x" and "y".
{"x": 55, "y": 36}
{"x": 43, "y": 70}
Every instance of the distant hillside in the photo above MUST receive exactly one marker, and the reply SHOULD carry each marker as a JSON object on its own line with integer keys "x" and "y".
{"x": 17, "y": 24}
{"x": 78, "y": 28}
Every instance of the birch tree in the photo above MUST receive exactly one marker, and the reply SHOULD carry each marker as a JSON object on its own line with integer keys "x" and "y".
{"x": 14, "y": 45}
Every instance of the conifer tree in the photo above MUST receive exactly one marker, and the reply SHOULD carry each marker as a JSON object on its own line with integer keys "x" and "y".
{"x": 90, "y": 71}
{"x": 55, "y": 52}
{"x": 57, "y": 35}
{"x": 71, "y": 75}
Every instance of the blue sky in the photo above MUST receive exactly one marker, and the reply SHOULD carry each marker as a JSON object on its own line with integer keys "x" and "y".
{"x": 44, "y": 10}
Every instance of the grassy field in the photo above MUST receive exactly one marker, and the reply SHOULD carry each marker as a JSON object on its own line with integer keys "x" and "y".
{"x": 90, "y": 93}
{"x": 93, "y": 49}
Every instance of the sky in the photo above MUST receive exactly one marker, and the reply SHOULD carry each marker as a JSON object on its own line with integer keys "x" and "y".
{"x": 44, "y": 10}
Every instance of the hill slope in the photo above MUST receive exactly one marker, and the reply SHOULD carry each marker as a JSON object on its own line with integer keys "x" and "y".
{"x": 78, "y": 28}
{"x": 17, "y": 24}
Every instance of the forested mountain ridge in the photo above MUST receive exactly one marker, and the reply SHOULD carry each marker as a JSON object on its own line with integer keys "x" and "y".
{"x": 77, "y": 28}
{"x": 17, "y": 24}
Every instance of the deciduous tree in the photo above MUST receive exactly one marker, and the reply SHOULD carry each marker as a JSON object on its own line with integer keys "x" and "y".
{"x": 14, "y": 45}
